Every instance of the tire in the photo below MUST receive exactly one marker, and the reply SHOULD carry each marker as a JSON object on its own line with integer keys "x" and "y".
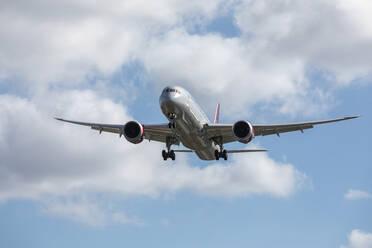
{"x": 172, "y": 155}
{"x": 217, "y": 155}
{"x": 165, "y": 155}
{"x": 224, "y": 154}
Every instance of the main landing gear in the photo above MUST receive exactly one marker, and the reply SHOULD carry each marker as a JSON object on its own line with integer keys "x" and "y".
{"x": 169, "y": 140}
{"x": 219, "y": 155}
{"x": 170, "y": 154}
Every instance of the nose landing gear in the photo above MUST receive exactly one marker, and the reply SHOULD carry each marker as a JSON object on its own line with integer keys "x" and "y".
{"x": 172, "y": 125}
{"x": 172, "y": 116}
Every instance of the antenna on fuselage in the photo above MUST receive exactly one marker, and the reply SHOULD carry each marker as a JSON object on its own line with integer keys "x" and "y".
{"x": 217, "y": 115}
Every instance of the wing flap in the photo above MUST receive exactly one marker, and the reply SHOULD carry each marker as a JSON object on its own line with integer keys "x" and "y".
{"x": 161, "y": 129}
{"x": 247, "y": 150}
{"x": 220, "y": 130}
{"x": 277, "y": 131}
{"x": 108, "y": 129}
{"x": 157, "y": 132}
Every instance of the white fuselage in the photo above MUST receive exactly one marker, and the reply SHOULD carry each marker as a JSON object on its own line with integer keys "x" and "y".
{"x": 179, "y": 108}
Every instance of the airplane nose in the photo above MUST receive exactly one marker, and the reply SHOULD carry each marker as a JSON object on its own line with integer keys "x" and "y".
{"x": 167, "y": 97}
{"x": 169, "y": 104}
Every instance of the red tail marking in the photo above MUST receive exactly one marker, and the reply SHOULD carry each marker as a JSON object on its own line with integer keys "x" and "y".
{"x": 217, "y": 115}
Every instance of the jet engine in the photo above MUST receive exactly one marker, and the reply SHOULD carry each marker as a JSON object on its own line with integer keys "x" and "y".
{"x": 133, "y": 132}
{"x": 243, "y": 131}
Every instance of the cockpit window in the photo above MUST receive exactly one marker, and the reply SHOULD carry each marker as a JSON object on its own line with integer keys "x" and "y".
{"x": 172, "y": 90}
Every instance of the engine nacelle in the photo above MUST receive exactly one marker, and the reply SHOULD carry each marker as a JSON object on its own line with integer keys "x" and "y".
{"x": 243, "y": 131}
{"x": 133, "y": 132}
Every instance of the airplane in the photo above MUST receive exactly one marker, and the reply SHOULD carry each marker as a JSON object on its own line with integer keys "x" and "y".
{"x": 189, "y": 125}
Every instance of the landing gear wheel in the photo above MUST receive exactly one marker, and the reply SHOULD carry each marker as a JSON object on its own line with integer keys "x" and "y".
{"x": 224, "y": 154}
{"x": 172, "y": 155}
{"x": 165, "y": 155}
{"x": 217, "y": 155}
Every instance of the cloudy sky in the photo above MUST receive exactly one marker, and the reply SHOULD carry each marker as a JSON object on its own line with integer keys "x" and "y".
{"x": 266, "y": 61}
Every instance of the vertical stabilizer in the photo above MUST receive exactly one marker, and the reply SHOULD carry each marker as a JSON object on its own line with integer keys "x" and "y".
{"x": 217, "y": 115}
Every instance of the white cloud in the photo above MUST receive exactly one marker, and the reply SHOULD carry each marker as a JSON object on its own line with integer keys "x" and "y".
{"x": 40, "y": 155}
{"x": 222, "y": 68}
{"x": 282, "y": 43}
{"x": 330, "y": 35}
{"x": 238, "y": 72}
{"x": 359, "y": 239}
{"x": 53, "y": 41}
{"x": 70, "y": 42}
{"x": 354, "y": 194}
{"x": 88, "y": 212}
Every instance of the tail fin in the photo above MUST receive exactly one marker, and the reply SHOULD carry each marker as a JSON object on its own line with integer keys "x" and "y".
{"x": 217, "y": 115}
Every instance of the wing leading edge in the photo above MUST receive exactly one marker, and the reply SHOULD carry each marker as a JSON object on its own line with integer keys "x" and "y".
{"x": 225, "y": 130}
{"x": 265, "y": 129}
{"x": 158, "y": 132}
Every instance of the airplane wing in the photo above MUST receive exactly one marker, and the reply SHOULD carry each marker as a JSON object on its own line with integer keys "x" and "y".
{"x": 224, "y": 131}
{"x": 158, "y": 132}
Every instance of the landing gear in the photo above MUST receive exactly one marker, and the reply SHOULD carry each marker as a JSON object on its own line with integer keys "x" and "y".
{"x": 168, "y": 153}
{"x": 172, "y": 125}
{"x": 219, "y": 155}
{"x": 172, "y": 116}
{"x": 171, "y": 154}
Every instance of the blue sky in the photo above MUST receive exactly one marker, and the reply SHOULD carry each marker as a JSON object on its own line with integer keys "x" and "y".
{"x": 264, "y": 61}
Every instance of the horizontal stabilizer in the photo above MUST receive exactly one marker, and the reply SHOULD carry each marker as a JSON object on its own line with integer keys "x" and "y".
{"x": 230, "y": 151}
{"x": 250, "y": 150}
